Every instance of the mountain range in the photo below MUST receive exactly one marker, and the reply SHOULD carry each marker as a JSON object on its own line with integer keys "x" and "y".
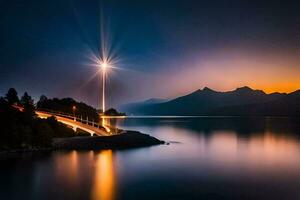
{"x": 242, "y": 101}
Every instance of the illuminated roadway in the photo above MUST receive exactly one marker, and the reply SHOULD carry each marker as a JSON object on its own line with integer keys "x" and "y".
{"x": 75, "y": 124}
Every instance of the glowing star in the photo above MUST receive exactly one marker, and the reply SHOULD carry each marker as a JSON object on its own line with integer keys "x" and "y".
{"x": 104, "y": 65}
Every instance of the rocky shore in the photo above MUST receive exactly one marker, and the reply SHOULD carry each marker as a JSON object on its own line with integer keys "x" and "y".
{"x": 130, "y": 139}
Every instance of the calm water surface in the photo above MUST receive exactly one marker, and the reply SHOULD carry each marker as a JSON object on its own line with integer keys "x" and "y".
{"x": 208, "y": 158}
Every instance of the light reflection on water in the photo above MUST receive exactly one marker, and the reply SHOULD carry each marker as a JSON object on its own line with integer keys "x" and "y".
{"x": 104, "y": 179}
{"x": 68, "y": 166}
{"x": 210, "y": 158}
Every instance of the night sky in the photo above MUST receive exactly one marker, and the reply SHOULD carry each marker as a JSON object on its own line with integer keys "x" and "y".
{"x": 164, "y": 48}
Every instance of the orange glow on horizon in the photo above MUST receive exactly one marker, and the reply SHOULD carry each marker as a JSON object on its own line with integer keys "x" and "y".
{"x": 228, "y": 70}
{"x": 279, "y": 87}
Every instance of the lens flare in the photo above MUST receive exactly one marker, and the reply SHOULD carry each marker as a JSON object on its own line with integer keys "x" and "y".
{"x": 104, "y": 65}
{"x": 105, "y": 59}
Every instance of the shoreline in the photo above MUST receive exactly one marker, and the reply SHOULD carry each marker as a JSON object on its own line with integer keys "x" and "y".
{"x": 128, "y": 140}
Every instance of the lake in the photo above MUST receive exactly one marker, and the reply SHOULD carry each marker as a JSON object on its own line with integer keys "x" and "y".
{"x": 207, "y": 158}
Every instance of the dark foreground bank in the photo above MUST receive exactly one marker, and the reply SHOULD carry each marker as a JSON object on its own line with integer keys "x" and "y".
{"x": 130, "y": 139}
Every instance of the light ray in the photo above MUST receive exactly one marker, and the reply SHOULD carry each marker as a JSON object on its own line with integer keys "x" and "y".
{"x": 105, "y": 60}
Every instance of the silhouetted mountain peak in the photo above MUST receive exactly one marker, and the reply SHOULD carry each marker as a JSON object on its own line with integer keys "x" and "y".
{"x": 244, "y": 89}
{"x": 241, "y": 101}
{"x": 295, "y": 95}
{"x": 248, "y": 90}
{"x": 277, "y": 93}
{"x": 206, "y": 89}
{"x": 295, "y": 92}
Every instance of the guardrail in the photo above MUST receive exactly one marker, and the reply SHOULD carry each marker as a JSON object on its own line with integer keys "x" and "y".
{"x": 73, "y": 117}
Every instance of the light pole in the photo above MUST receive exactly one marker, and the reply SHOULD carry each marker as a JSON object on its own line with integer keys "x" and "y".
{"x": 74, "y": 109}
{"x": 104, "y": 66}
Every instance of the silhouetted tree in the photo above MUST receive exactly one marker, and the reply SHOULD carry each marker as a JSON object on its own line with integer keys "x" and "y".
{"x": 21, "y": 130}
{"x": 113, "y": 112}
{"x": 42, "y": 101}
{"x": 27, "y": 102}
{"x": 12, "y": 96}
{"x": 43, "y": 98}
{"x": 66, "y": 105}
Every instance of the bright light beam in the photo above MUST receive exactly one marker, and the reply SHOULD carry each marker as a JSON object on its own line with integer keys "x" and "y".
{"x": 104, "y": 65}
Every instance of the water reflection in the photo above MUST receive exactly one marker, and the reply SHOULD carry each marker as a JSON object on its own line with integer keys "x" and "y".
{"x": 243, "y": 126}
{"x": 263, "y": 153}
{"x": 104, "y": 179}
{"x": 227, "y": 144}
{"x": 69, "y": 161}
{"x": 215, "y": 158}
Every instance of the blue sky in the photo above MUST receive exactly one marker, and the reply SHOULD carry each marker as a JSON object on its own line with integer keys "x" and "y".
{"x": 166, "y": 48}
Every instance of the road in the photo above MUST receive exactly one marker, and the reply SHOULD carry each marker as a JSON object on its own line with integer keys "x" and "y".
{"x": 75, "y": 124}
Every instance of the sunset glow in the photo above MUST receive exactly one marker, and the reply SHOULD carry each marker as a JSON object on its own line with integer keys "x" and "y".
{"x": 150, "y": 99}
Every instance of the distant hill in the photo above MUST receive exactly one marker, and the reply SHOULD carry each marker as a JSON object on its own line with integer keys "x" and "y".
{"x": 138, "y": 107}
{"x": 242, "y": 101}
{"x": 288, "y": 105}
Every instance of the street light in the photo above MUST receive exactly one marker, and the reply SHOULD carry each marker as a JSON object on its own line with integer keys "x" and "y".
{"x": 74, "y": 109}
{"x": 104, "y": 65}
